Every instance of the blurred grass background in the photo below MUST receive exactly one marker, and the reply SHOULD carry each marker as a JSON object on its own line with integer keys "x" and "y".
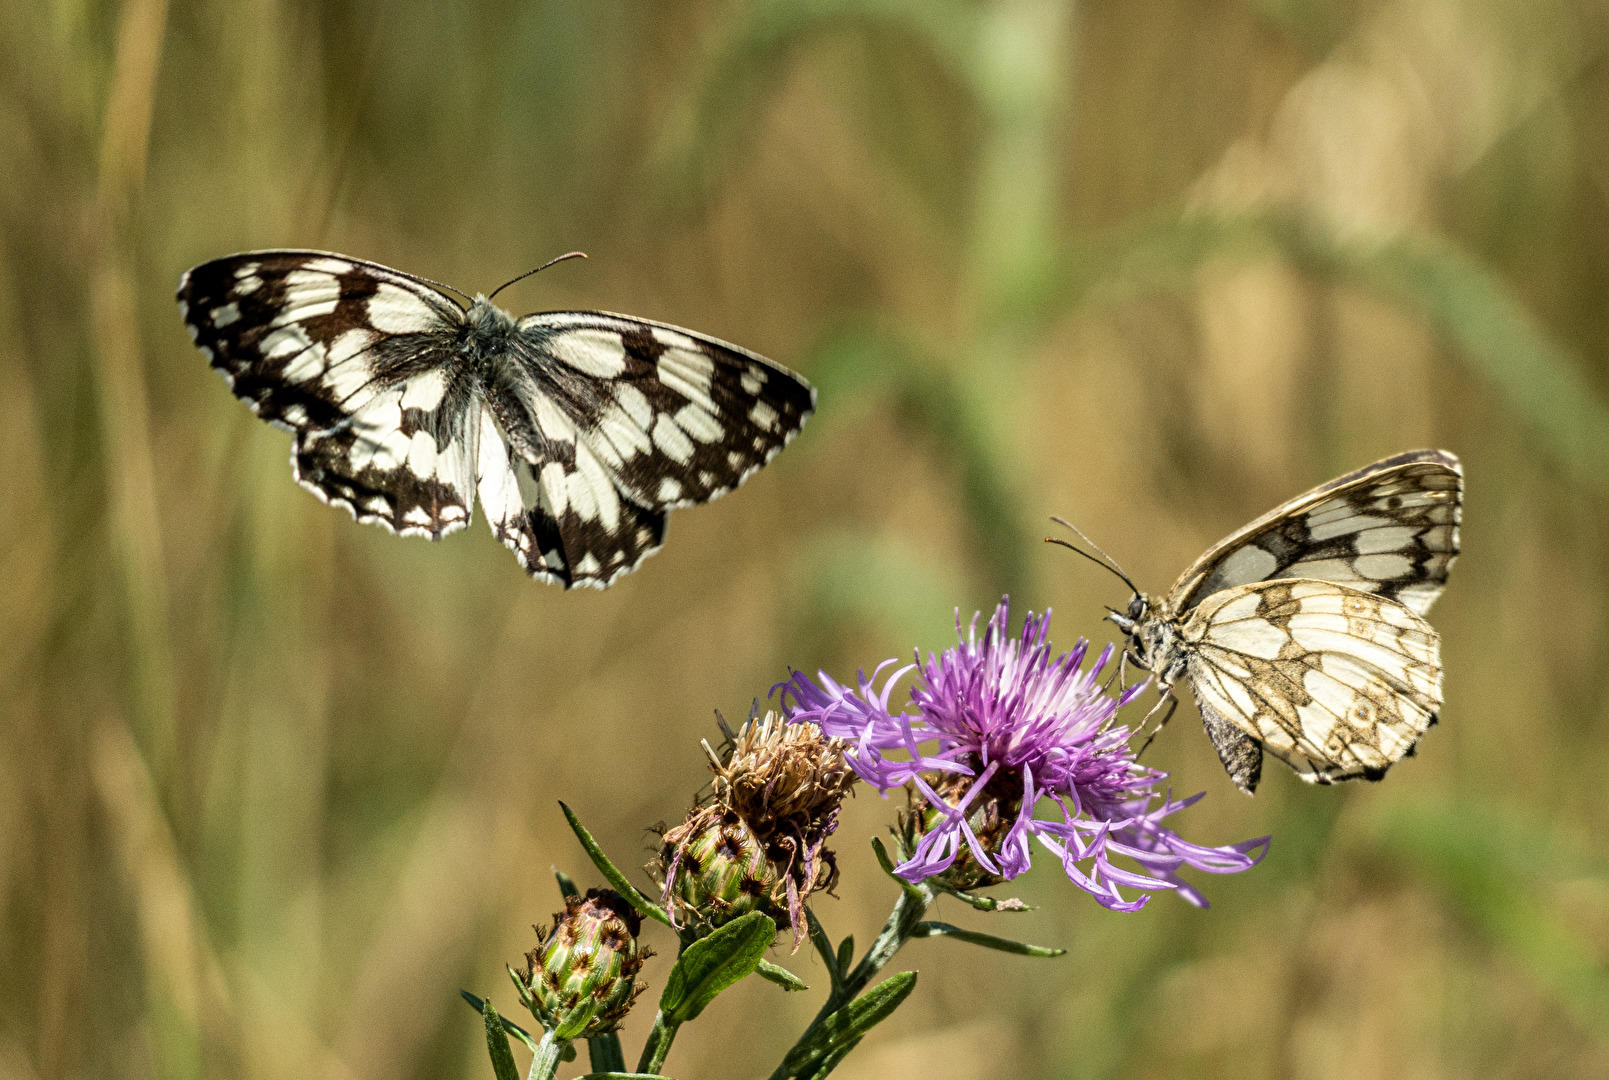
{"x": 273, "y": 786}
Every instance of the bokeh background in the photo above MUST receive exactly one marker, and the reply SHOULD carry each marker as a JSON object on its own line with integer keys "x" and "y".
{"x": 274, "y": 785}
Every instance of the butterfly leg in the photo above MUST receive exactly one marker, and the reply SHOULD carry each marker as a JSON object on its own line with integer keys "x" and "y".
{"x": 1173, "y": 703}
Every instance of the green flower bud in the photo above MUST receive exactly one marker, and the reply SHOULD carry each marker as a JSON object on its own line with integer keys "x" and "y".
{"x": 579, "y": 980}
{"x": 715, "y": 869}
{"x": 757, "y": 842}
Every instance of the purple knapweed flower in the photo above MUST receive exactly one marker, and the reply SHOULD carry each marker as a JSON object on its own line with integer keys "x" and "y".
{"x": 998, "y": 726}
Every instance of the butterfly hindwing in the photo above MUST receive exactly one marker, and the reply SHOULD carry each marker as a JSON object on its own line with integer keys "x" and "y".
{"x": 563, "y": 517}
{"x": 1390, "y": 528}
{"x": 1337, "y": 682}
{"x": 609, "y": 422}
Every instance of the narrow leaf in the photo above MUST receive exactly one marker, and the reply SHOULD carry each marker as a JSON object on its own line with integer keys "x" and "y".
{"x": 823, "y": 945}
{"x": 846, "y": 953}
{"x": 887, "y": 864}
{"x": 988, "y": 941}
{"x": 850, "y": 1023}
{"x": 615, "y": 878}
{"x": 508, "y": 1025}
{"x": 780, "y": 975}
{"x": 497, "y": 1045}
{"x": 989, "y": 903}
{"x": 713, "y": 963}
{"x": 567, "y": 887}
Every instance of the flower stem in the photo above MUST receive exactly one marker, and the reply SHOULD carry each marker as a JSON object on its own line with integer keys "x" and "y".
{"x": 545, "y": 1062}
{"x": 657, "y": 1047}
{"x": 605, "y": 1054}
{"x": 912, "y": 905}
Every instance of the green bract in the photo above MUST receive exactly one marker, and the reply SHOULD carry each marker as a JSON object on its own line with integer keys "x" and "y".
{"x": 579, "y": 981}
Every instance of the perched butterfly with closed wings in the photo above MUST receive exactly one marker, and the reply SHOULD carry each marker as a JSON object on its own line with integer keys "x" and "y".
{"x": 578, "y": 430}
{"x": 1304, "y": 632}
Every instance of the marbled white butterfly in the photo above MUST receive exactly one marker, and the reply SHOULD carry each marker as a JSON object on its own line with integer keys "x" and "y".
{"x": 1304, "y": 631}
{"x": 578, "y": 430}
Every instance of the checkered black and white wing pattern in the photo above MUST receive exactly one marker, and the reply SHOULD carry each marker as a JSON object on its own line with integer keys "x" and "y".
{"x": 1390, "y": 529}
{"x": 610, "y": 422}
{"x": 357, "y": 360}
{"x": 1336, "y": 682}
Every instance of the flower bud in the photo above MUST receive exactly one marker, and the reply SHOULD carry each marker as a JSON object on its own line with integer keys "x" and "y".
{"x": 715, "y": 869}
{"x": 757, "y": 842}
{"x": 578, "y": 981}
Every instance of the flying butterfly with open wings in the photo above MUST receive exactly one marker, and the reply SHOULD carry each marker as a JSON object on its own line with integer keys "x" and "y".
{"x": 579, "y": 431}
{"x": 1304, "y": 632}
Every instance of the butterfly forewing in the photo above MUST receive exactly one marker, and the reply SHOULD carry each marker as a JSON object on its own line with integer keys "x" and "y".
{"x": 578, "y": 431}
{"x": 1390, "y": 529}
{"x": 1337, "y": 682}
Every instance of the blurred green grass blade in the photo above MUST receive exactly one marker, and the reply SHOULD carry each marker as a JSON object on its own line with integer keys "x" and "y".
{"x": 1497, "y": 338}
{"x": 615, "y": 878}
{"x": 1468, "y": 306}
{"x": 987, "y": 941}
{"x": 746, "y": 57}
{"x": 850, "y": 575}
{"x": 861, "y": 362}
{"x": 1491, "y": 866}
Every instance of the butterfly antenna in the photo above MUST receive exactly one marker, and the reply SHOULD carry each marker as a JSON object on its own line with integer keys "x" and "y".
{"x": 443, "y": 286}
{"x": 1104, "y": 561}
{"x": 539, "y": 269}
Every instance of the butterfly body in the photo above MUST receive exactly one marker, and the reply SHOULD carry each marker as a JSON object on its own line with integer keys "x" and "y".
{"x": 1303, "y": 633}
{"x": 578, "y": 431}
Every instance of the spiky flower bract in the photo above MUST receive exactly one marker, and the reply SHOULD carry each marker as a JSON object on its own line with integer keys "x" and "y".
{"x": 580, "y": 980}
{"x": 757, "y": 842}
{"x": 996, "y": 725}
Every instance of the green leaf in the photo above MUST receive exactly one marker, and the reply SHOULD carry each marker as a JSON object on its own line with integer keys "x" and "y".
{"x": 509, "y": 1026}
{"x": 713, "y": 963}
{"x": 780, "y": 975}
{"x": 616, "y": 879}
{"x": 497, "y": 1044}
{"x": 846, "y": 954}
{"x": 823, "y": 946}
{"x": 838, "y": 1031}
{"x": 567, "y": 887}
{"x": 988, "y": 941}
{"x": 623, "y": 1076}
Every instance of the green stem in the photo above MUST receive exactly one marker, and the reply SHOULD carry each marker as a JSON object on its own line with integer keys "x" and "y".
{"x": 605, "y": 1054}
{"x": 901, "y": 926}
{"x": 657, "y": 1047}
{"x": 545, "y": 1062}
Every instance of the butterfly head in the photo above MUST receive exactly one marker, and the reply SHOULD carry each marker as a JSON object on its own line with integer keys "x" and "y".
{"x": 486, "y": 318}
